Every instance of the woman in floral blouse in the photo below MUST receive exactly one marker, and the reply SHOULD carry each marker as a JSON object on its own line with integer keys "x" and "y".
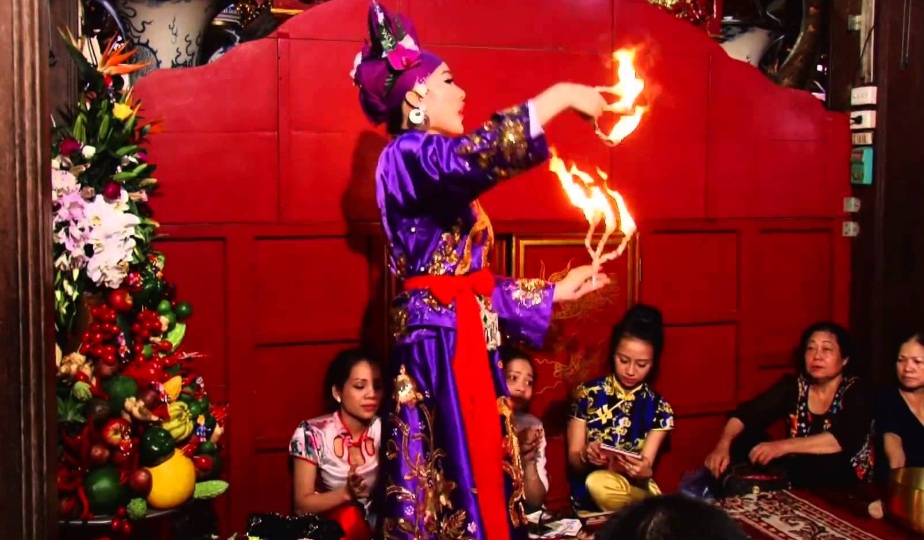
{"x": 336, "y": 456}
{"x": 620, "y": 411}
{"x": 827, "y": 414}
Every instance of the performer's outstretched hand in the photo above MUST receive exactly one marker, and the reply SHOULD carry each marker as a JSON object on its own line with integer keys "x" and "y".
{"x": 578, "y": 282}
{"x": 586, "y": 101}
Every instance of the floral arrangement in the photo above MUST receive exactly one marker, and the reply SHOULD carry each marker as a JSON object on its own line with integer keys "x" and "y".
{"x": 137, "y": 428}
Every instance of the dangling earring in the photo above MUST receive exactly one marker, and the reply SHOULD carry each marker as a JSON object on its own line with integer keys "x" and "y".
{"x": 418, "y": 116}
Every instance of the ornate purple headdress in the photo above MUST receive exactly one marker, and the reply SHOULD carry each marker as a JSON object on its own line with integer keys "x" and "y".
{"x": 390, "y": 64}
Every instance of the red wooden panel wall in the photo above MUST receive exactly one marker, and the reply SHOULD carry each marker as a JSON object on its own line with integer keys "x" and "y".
{"x": 267, "y": 163}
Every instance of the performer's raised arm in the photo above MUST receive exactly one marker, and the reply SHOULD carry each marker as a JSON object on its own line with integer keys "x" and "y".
{"x": 525, "y": 305}
{"x": 443, "y": 170}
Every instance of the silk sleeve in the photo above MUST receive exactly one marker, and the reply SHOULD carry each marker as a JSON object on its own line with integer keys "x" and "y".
{"x": 304, "y": 444}
{"x": 525, "y": 308}
{"x": 434, "y": 171}
{"x": 664, "y": 416}
{"x": 581, "y": 403}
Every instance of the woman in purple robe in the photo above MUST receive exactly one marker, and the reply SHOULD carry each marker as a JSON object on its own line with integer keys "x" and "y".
{"x": 450, "y": 466}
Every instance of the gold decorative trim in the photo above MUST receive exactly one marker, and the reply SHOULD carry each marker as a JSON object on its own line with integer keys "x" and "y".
{"x": 519, "y": 244}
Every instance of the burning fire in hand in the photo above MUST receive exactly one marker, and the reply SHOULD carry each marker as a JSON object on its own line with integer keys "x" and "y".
{"x": 628, "y": 87}
{"x": 599, "y": 203}
{"x": 596, "y": 200}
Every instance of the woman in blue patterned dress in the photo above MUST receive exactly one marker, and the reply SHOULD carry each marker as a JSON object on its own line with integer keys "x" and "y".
{"x": 620, "y": 411}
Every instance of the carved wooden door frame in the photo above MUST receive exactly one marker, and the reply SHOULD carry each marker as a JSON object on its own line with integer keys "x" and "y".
{"x": 27, "y": 399}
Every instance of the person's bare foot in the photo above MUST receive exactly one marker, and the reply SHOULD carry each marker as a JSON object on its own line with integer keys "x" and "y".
{"x": 875, "y": 509}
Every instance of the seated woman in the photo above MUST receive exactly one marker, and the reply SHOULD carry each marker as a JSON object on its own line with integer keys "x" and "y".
{"x": 826, "y": 412}
{"x": 900, "y": 411}
{"x": 620, "y": 411}
{"x": 336, "y": 455}
{"x": 520, "y": 375}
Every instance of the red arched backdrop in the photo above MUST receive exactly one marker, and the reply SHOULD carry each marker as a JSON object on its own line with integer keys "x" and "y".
{"x": 267, "y": 163}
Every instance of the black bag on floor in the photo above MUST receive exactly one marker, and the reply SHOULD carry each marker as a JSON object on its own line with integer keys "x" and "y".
{"x": 748, "y": 479}
{"x": 279, "y": 527}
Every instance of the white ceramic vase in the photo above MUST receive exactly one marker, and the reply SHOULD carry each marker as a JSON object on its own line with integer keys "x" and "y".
{"x": 166, "y": 33}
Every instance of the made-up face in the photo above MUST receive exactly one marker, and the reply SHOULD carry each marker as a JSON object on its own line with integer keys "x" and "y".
{"x": 823, "y": 358}
{"x": 910, "y": 365}
{"x": 633, "y": 361}
{"x": 361, "y": 394}
{"x": 444, "y": 103}
{"x": 520, "y": 376}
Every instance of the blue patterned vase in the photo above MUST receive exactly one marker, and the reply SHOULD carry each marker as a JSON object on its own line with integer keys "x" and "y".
{"x": 166, "y": 33}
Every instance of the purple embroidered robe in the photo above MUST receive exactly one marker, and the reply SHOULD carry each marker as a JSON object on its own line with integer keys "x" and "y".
{"x": 427, "y": 187}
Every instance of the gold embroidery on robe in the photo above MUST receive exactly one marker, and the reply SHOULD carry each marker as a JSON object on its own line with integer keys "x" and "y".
{"x": 406, "y": 392}
{"x": 446, "y": 255}
{"x": 513, "y": 466}
{"x": 433, "y": 515}
{"x": 399, "y": 317}
{"x": 481, "y": 234}
{"x": 529, "y": 292}
{"x": 506, "y": 153}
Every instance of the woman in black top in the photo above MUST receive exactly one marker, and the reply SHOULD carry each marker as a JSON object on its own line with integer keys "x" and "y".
{"x": 900, "y": 411}
{"x": 826, "y": 412}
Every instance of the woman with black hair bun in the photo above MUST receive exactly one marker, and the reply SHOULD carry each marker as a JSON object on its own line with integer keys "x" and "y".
{"x": 618, "y": 422}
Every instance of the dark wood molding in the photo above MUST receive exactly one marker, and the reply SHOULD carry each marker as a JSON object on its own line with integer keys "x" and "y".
{"x": 888, "y": 256}
{"x": 27, "y": 400}
{"x": 844, "y": 55}
{"x": 62, "y": 75}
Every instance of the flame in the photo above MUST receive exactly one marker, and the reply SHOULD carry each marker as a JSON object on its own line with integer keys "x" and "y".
{"x": 628, "y": 88}
{"x": 598, "y": 203}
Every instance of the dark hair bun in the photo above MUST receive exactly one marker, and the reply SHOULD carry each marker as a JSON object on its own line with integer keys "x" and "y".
{"x": 644, "y": 323}
{"x": 644, "y": 314}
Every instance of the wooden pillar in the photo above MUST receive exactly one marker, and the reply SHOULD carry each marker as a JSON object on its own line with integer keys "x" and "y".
{"x": 27, "y": 401}
{"x": 62, "y": 76}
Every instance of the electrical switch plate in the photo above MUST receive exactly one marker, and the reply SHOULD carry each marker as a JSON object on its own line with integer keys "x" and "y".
{"x": 862, "y": 119}
{"x": 863, "y": 95}
{"x": 850, "y": 229}
{"x": 861, "y": 165}
{"x": 862, "y": 138}
{"x": 851, "y": 204}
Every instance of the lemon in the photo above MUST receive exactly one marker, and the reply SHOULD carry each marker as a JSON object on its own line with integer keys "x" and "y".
{"x": 172, "y": 482}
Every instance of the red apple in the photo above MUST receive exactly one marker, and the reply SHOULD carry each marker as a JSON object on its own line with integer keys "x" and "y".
{"x": 140, "y": 481}
{"x": 99, "y": 454}
{"x": 120, "y": 300}
{"x": 114, "y": 429}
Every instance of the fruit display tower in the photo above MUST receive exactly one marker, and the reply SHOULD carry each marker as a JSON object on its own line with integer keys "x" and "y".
{"x": 137, "y": 430}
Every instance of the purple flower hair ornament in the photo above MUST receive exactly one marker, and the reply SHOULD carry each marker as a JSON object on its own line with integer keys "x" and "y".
{"x": 390, "y": 64}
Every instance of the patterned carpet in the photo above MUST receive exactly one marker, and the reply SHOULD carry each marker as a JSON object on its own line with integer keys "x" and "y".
{"x": 785, "y": 516}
